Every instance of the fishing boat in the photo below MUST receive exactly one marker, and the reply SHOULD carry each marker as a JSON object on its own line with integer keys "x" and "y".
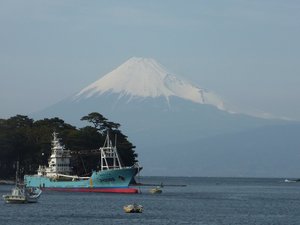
{"x": 22, "y": 194}
{"x": 133, "y": 208}
{"x": 17, "y": 196}
{"x": 112, "y": 176}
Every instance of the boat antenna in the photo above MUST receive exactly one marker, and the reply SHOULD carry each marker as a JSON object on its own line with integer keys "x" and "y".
{"x": 83, "y": 164}
{"x": 17, "y": 170}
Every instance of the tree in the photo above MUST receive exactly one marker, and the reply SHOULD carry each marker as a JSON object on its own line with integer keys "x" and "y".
{"x": 125, "y": 148}
{"x": 100, "y": 122}
{"x": 14, "y": 143}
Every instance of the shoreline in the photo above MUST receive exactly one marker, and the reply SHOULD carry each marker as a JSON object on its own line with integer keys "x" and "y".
{"x": 6, "y": 182}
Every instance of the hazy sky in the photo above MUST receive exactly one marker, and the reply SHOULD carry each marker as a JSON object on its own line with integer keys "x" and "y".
{"x": 246, "y": 51}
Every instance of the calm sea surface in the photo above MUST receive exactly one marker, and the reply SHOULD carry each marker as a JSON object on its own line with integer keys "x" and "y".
{"x": 217, "y": 201}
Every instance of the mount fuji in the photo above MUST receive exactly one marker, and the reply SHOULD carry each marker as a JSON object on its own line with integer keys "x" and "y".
{"x": 181, "y": 129}
{"x": 145, "y": 78}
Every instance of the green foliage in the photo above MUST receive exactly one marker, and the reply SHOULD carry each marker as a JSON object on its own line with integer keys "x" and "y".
{"x": 100, "y": 122}
{"x": 29, "y": 142}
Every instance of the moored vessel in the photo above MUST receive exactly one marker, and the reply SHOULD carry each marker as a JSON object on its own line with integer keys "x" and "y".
{"x": 22, "y": 194}
{"x": 17, "y": 196}
{"x": 133, "y": 208}
{"x": 156, "y": 190}
{"x": 112, "y": 176}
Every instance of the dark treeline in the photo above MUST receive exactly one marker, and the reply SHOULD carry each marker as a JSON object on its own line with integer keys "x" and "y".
{"x": 29, "y": 142}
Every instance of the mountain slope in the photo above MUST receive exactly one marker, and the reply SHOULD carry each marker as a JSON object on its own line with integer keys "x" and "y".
{"x": 179, "y": 128}
{"x": 268, "y": 151}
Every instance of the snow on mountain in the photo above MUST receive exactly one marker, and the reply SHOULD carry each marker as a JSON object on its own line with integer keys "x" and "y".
{"x": 144, "y": 77}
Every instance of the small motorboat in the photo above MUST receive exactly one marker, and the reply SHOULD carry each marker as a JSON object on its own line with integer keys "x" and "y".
{"x": 133, "y": 208}
{"x": 156, "y": 190}
{"x": 33, "y": 194}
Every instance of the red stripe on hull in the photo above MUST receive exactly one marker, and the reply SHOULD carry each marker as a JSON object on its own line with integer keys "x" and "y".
{"x": 99, "y": 190}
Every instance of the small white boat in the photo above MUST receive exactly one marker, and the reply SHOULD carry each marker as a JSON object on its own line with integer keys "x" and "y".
{"x": 156, "y": 190}
{"x": 17, "y": 196}
{"x": 32, "y": 194}
{"x": 133, "y": 208}
{"x": 290, "y": 181}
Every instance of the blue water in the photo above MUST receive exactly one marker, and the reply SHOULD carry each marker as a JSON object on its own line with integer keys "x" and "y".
{"x": 214, "y": 201}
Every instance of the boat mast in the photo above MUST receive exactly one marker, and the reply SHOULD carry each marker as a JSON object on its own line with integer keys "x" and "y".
{"x": 109, "y": 152}
{"x": 17, "y": 171}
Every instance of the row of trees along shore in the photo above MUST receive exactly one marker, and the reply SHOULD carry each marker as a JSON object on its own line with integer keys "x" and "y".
{"x": 29, "y": 142}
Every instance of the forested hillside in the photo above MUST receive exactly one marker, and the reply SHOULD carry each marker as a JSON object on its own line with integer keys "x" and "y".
{"x": 29, "y": 142}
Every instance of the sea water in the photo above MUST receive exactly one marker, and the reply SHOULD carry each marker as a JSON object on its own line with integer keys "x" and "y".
{"x": 211, "y": 201}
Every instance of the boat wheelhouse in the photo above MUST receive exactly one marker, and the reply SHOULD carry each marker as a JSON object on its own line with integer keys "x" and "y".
{"x": 59, "y": 161}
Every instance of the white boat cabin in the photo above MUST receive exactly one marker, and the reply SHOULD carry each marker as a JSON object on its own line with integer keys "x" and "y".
{"x": 59, "y": 161}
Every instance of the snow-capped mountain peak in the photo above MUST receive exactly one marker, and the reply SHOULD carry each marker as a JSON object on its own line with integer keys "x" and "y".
{"x": 144, "y": 77}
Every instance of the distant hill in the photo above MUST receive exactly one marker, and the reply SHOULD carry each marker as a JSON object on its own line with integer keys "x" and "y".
{"x": 270, "y": 151}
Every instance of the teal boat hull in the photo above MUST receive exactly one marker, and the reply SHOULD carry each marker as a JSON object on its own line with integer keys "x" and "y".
{"x": 114, "y": 181}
